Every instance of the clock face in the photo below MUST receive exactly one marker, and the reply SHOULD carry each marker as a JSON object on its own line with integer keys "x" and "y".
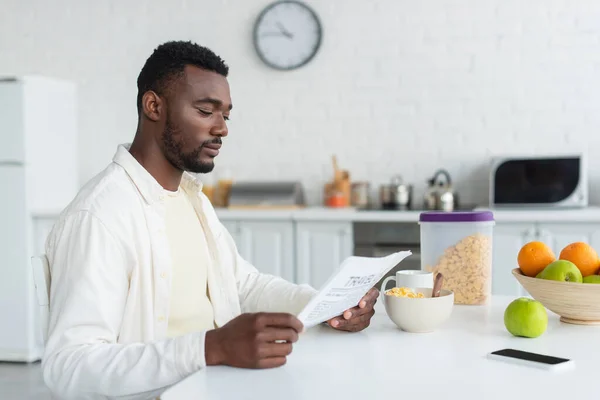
{"x": 287, "y": 35}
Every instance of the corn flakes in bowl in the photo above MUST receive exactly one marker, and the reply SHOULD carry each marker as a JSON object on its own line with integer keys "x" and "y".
{"x": 404, "y": 292}
{"x": 414, "y": 310}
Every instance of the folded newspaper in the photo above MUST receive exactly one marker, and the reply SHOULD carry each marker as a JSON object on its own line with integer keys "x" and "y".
{"x": 344, "y": 289}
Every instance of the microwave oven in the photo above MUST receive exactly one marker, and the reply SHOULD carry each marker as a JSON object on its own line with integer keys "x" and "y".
{"x": 559, "y": 181}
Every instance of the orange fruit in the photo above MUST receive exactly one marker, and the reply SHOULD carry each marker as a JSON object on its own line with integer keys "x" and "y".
{"x": 534, "y": 257}
{"x": 583, "y": 256}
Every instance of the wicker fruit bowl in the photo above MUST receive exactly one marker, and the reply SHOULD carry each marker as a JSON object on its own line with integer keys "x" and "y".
{"x": 576, "y": 303}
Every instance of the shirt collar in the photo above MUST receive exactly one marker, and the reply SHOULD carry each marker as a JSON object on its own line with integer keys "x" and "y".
{"x": 149, "y": 187}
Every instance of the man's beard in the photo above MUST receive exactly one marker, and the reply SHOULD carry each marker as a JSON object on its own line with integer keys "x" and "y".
{"x": 189, "y": 162}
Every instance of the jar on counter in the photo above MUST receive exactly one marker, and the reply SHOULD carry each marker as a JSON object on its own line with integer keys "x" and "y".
{"x": 459, "y": 245}
{"x": 223, "y": 188}
{"x": 360, "y": 197}
{"x": 337, "y": 199}
{"x": 208, "y": 187}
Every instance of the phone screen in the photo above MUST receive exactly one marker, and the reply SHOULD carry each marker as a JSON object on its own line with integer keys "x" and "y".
{"x": 524, "y": 355}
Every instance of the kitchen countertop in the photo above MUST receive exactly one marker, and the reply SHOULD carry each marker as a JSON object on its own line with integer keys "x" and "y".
{"x": 589, "y": 214}
{"x": 320, "y": 214}
{"x": 584, "y": 215}
{"x": 385, "y": 362}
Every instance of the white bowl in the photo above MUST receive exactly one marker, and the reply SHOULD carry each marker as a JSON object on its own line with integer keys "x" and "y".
{"x": 419, "y": 315}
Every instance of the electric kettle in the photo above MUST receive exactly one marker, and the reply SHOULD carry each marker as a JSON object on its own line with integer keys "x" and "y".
{"x": 440, "y": 195}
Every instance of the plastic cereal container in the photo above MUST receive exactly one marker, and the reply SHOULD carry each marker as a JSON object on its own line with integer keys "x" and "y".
{"x": 459, "y": 245}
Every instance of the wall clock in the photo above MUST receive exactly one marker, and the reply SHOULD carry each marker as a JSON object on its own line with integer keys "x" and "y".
{"x": 287, "y": 35}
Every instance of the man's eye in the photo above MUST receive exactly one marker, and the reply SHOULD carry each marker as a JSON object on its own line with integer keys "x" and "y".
{"x": 226, "y": 117}
{"x": 205, "y": 112}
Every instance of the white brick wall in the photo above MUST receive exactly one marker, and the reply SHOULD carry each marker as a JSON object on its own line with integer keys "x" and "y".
{"x": 399, "y": 86}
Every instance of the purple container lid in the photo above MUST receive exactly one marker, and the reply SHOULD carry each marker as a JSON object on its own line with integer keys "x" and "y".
{"x": 456, "y": 216}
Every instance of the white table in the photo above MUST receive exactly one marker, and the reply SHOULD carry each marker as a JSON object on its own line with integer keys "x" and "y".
{"x": 383, "y": 361}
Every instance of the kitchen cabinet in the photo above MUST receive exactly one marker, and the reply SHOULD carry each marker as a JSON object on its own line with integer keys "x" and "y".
{"x": 233, "y": 229}
{"x": 320, "y": 249}
{"x": 309, "y": 250}
{"x": 268, "y": 245}
{"x": 508, "y": 240}
{"x": 301, "y": 251}
{"x": 510, "y": 237}
{"x": 559, "y": 235}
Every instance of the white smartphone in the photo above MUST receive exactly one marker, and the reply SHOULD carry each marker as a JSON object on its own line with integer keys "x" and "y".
{"x": 532, "y": 359}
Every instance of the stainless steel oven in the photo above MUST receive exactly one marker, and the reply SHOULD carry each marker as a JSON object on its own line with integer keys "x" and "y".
{"x": 379, "y": 239}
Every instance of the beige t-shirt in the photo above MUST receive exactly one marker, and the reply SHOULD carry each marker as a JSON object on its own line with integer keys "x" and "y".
{"x": 190, "y": 308}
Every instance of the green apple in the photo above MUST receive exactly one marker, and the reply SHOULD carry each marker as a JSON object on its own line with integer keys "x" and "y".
{"x": 561, "y": 270}
{"x": 525, "y": 317}
{"x": 592, "y": 279}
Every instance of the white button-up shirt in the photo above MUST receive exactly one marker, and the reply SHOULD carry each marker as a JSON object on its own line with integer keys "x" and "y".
{"x": 110, "y": 286}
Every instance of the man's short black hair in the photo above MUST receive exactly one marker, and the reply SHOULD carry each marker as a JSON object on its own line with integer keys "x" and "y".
{"x": 168, "y": 62}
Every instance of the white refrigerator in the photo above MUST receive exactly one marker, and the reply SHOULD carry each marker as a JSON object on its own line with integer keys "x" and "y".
{"x": 38, "y": 178}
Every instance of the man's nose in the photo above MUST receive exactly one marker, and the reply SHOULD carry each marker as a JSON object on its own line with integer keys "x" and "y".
{"x": 220, "y": 129}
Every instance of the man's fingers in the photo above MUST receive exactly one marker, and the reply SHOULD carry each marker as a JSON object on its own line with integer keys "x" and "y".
{"x": 354, "y": 312}
{"x": 270, "y": 350}
{"x": 274, "y": 343}
{"x": 342, "y": 323}
{"x": 364, "y": 306}
{"x": 337, "y": 322}
{"x": 369, "y": 298}
{"x": 363, "y": 318}
{"x": 276, "y": 334}
{"x": 272, "y": 362}
{"x": 279, "y": 320}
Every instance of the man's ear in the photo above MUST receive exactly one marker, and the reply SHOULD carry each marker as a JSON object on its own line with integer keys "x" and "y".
{"x": 152, "y": 105}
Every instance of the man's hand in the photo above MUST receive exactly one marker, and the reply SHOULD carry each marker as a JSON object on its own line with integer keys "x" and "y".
{"x": 262, "y": 340}
{"x": 357, "y": 318}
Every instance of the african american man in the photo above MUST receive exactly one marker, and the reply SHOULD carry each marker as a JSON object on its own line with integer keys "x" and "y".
{"x": 147, "y": 286}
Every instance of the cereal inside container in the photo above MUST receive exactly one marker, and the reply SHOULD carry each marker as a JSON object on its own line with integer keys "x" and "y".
{"x": 459, "y": 245}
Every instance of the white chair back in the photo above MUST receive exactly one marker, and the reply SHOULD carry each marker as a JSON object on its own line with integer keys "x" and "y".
{"x": 41, "y": 279}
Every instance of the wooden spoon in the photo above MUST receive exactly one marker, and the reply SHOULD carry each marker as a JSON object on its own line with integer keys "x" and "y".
{"x": 437, "y": 285}
{"x": 338, "y": 174}
{"x": 336, "y": 168}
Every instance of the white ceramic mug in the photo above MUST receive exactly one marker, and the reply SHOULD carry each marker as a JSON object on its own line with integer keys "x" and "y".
{"x": 410, "y": 279}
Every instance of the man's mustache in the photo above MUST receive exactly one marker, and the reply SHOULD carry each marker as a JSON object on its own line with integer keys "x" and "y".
{"x": 216, "y": 140}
